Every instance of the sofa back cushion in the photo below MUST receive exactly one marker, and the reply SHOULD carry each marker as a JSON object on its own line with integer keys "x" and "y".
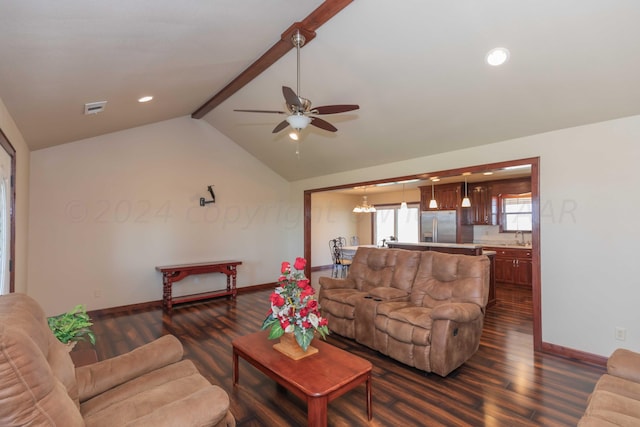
{"x": 371, "y": 268}
{"x": 443, "y": 278}
{"x": 38, "y": 384}
{"x": 405, "y": 268}
{"x": 30, "y": 393}
{"x": 382, "y": 268}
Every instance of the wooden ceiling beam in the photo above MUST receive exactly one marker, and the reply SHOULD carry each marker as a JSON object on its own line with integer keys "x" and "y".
{"x": 307, "y": 27}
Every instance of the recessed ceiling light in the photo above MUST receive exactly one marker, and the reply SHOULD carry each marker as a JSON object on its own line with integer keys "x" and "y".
{"x": 145, "y": 99}
{"x": 497, "y": 56}
{"x": 487, "y": 173}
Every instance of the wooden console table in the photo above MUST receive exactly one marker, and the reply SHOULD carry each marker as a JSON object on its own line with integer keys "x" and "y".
{"x": 175, "y": 273}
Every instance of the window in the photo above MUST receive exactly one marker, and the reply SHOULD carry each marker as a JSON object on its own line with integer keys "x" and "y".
{"x": 402, "y": 225}
{"x": 516, "y": 212}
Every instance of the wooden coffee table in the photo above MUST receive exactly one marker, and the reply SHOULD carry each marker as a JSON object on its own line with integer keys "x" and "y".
{"x": 318, "y": 379}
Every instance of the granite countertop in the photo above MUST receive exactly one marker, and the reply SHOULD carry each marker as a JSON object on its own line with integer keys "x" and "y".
{"x": 505, "y": 245}
{"x": 441, "y": 245}
{"x": 464, "y": 245}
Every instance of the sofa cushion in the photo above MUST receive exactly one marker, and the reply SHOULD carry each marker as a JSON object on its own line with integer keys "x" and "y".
{"x": 387, "y": 294}
{"x": 341, "y": 302}
{"x": 607, "y": 419}
{"x": 619, "y": 386}
{"x": 407, "y": 324}
{"x": 372, "y": 268}
{"x": 405, "y": 269}
{"x": 615, "y": 408}
{"x": 101, "y": 376}
{"x": 134, "y": 402}
{"x": 624, "y": 363}
{"x": 152, "y": 379}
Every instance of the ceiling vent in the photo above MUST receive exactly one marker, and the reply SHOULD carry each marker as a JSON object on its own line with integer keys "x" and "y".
{"x": 94, "y": 107}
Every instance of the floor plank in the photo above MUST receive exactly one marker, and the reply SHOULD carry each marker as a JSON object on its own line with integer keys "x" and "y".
{"x": 504, "y": 384}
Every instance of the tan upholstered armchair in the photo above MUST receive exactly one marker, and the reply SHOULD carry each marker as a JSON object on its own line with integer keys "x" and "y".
{"x": 149, "y": 386}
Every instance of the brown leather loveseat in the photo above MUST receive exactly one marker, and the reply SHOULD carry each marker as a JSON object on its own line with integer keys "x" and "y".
{"x": 423, "y": 308}
{"x": 149, "y": 386}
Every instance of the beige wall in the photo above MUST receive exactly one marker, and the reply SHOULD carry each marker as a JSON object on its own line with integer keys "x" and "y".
{"x": 105, "y": 211}
{"x": 22, "y": 196}
{"x": 589, "y": 209}
{"x": 332, "y": 217}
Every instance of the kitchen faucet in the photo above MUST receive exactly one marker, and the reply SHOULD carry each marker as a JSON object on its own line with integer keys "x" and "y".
{"x": 518, "y": 242}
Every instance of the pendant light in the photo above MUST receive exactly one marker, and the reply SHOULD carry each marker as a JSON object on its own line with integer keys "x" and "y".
{"x": 466, "y": 203}
{"x": 365, "y": 207}
{"x": 432, "y": 203}
{"x": 403, "y": 205}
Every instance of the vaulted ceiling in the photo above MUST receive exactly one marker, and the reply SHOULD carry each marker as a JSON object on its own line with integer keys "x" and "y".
{"x": 416, "y": 68}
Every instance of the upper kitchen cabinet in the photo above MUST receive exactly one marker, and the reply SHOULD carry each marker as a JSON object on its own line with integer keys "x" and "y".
{"x": 448, "y": 197}
{"x": 484, "y": 207}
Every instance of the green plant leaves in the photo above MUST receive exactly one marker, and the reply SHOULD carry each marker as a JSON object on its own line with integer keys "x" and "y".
{"x": 73, "y": 325}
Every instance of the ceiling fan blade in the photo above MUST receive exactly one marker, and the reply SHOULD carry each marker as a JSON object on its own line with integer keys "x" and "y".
{"x": 323, "y": 124}
{"x": 283, "y": 124}
{"x": 333, "y": 109}
{"x": 291, "y": 97}
{"x": 261, "y": 111}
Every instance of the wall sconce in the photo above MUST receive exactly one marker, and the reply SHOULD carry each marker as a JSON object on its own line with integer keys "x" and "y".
{"x": 204, "y": 202}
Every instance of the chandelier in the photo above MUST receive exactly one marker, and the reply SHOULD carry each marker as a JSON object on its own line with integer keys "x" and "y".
{"x": 365, "y": 207}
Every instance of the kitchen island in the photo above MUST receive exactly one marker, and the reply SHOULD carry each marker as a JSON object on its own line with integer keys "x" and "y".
{"x": 460, "y": 249}
{"x": 450, "y": 248}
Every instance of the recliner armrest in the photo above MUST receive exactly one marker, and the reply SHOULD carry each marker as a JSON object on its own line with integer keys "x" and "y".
{"x": 457, "y": 311}
{"x": 101, "y": 376}
{"x": 624, "y": 364}
{"x": 331, "y": 283}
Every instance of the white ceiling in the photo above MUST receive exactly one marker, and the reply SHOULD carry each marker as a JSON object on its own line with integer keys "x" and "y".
{"x": 415, "y": 67}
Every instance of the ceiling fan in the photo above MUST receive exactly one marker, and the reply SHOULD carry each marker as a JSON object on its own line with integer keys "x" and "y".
{"x": 300, "y": 113}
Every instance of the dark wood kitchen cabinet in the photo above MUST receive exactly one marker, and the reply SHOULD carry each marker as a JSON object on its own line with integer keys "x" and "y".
{"x": 448, "y": 196}
{"x": 513, "y": 265}
{"x": 484, "y": 207}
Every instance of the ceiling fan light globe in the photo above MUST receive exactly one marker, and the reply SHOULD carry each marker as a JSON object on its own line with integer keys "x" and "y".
{"x": 298, "y": 121}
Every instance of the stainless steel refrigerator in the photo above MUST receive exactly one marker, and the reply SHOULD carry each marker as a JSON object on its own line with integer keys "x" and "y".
{"x": 439, "y": 226}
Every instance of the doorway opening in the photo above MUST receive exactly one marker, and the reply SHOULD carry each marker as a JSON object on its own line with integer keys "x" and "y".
{"x": 533, "y": 163}
{"x": 7, "y": 214}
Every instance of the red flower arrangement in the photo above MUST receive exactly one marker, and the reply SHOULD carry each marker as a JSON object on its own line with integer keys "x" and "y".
{"x": 294, "y": 308}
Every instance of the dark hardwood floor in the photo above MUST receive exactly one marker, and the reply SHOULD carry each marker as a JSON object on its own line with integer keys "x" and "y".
{"x": 504, "y": 384}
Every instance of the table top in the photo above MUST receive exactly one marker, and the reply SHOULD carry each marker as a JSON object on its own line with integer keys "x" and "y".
{"x": 355, "y": 248}
{"x": 197, "y": 264}
{"x": 317, "y": 375}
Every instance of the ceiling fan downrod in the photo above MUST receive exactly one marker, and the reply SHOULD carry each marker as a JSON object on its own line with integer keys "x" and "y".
{"x": 298, "y": 41}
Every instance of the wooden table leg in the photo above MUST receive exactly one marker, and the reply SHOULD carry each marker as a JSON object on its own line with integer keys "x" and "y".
{"x": 317, "y": 411}
{"x": 235, "y": 367}
{"x": 369, "y": 406}
{"x": 234, "y": 290}
{"x": 166, "y": 292}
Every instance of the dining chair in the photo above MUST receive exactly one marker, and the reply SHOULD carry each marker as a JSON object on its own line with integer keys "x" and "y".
{"x": 340, "y": 263}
